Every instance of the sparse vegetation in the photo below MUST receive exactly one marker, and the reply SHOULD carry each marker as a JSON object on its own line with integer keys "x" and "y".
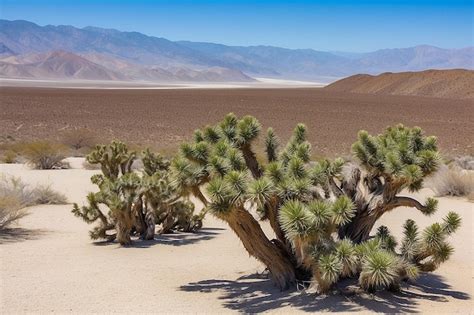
{"x": 78, "y": 139}
{"x": 452, "y": 181}
{"x": 465, "y": 162}
{"x": 16, "y": 195}
{"x": 136, "y": 201}
{"x": 9, "y": 157}
{"x": 44, "y": 155}
{"x": 322, "y": 213}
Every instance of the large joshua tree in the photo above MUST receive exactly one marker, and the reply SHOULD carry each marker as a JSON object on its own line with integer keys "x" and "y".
{"x": 136, "y": 201}
{"x": 321, "y": 213}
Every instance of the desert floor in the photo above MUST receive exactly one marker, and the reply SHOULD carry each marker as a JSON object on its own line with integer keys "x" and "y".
{"x": 48, "y": 264}
{"x": 164, "y": 118}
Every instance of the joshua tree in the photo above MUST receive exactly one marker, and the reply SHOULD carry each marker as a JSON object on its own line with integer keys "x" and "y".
{"x": 135, "y": 202}
{"x": 172, "y": 210}
{"x": 118, "y": 191}
{"x": 321, "y": 212}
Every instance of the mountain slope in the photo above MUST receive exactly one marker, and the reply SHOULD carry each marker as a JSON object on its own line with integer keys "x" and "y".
{"x": 57, "y": 65}
{"x": 23, "y": 37}
{"x": 65, "y": 65}
{"x": 433, "y": 83}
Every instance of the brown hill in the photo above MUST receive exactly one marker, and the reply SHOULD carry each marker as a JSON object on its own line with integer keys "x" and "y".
{"x": 55, "y": 65}
{"x": 457, "y": 83}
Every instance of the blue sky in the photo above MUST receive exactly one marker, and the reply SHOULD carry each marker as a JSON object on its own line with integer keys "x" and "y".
{"x": 325, "y": 25}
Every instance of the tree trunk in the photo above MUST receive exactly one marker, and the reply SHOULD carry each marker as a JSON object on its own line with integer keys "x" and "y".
{"x": 272, "y": 210}
{"x": 123, "y": 233}
{"x": 358, "y": 230}
{"x": 149, "y": 233}
{"x": 259, "y": 246}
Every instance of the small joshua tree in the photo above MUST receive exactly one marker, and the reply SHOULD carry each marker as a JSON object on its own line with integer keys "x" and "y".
{"x": 135, "y": 202}
{"x": 172, "y": 211}
{"x": 118, "y": 191}
{"x": 322, "y": 212}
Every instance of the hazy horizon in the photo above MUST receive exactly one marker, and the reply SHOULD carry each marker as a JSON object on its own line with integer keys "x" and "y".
{"x": 342, "y": 27}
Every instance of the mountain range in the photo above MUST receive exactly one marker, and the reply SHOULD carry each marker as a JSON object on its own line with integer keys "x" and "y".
{"x": 28, "y": 50}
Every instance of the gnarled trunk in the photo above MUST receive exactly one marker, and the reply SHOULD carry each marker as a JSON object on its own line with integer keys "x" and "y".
{"x": 358, "y": 230}
{"x": 123, "y": 233}
{"x": 259, "y": 246}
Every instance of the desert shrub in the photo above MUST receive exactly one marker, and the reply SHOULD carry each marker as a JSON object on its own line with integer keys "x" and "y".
{"x": 9, "y": 157}
{"x": 452, "y": 181}
{"x": 79, "y": 138}
{"x": 10, "y": 211}
{"x": 15, "y": 195}
{"x": 135, "y": 201}
{"x": 44, "y": 194}
{"x": 465, "y": 162}
{"x": 321, "y": 212}
{"x": 44, "y": 155}
{"x": 88, "y": 166}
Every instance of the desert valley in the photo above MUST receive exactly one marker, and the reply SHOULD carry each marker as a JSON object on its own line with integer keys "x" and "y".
{"x": 127, "y": 187}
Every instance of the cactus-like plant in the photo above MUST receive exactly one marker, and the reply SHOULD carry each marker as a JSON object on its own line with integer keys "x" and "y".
{"x": 321, "y": 212}
{"x": 136, "y": 201}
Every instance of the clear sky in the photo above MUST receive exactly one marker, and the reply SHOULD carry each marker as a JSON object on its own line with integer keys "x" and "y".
{"x": 325, "y": 25}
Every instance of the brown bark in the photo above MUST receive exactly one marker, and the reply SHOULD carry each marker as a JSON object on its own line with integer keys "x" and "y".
{"x": 251, "y": 161}
{"x": 259, "y": 246}
{"x": 358, "y": 230}
{"x": 272, "y": 210}
{"x": 123, "y": 233}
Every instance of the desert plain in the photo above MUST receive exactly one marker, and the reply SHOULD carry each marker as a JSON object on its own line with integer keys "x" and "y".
{"x": 49, "y": 264}
{"x": 163, "y": 118}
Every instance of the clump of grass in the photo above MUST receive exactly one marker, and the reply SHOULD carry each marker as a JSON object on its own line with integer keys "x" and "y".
{"x": 15, "y": 195}
{"x": 453, "y": 181}
{"x": 9, "y": 157}
{"x": 44, "y": 194}
{"x": 10, "y": 211}
{"x": 44, "y": 155}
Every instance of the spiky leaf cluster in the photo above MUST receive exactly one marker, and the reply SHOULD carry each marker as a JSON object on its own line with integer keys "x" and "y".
{"x": 400, "y": 154}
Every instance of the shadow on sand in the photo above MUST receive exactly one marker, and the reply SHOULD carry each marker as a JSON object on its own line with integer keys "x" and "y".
{"x": 172, "y": 239}
{"x": 13, "y": 235}
{"x": 255, "y": 293}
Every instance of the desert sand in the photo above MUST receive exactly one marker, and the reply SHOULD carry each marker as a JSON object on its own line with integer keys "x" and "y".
{"x": 49, "y": 264}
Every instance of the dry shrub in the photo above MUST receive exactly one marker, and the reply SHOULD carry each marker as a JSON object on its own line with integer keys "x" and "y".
{"x": 452, "y": 181}
{"x": 88, "y": 166}
{"x": 10, "y": 211}
{"x": 9, "y": 157}
{"x": 78, "y": 139}
{"x": 44, "y": 194}
{"x": 15, "y": 195}
{"x": 465, "y": 162}
{"x": 44, "y": 155}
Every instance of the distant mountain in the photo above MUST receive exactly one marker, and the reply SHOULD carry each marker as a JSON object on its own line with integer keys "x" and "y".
{"x": 56, "y": 65}
{"x": 147, "y": 57}
{"x": 66, "y": 65}
{"x": 455, "y": 83}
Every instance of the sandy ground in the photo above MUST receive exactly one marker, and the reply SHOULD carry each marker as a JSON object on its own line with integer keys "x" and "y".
{"x": 48, "y": 264}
